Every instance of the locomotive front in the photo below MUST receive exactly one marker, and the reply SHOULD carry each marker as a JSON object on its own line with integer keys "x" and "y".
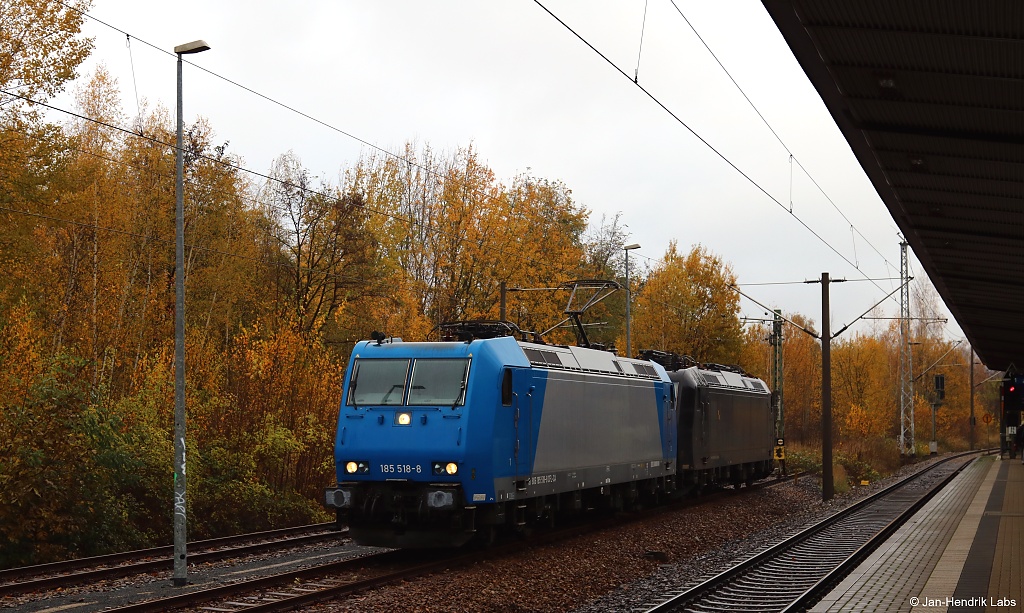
{"x": 405, "y": 467}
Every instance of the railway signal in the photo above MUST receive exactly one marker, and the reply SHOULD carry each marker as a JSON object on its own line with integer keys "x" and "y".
{"x": 1013, "y": 393}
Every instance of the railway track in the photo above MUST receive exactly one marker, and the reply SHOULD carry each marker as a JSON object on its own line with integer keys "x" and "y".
{"x": 795, "y": 573}
{"x": 84, "y": 570}
{"x": 291, "y": 590}
{"x": 341, "y": 579}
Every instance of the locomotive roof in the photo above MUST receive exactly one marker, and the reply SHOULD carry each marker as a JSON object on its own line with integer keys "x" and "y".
{"x": 726, "y": 378}
{"x": 581, "y": 359}
{"x": 589, "y": 360}
{"x": 560, "y": 357}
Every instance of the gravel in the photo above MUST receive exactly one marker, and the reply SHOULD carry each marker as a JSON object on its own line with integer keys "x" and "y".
{"x": 624, "y": 568}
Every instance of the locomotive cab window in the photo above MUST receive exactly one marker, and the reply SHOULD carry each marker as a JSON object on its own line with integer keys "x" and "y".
{"x": 439, "y": 381}
{"x": 378, "y": 382}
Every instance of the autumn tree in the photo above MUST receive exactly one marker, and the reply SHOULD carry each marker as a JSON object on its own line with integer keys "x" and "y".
{"x": 755, "y": 355}
{"x": 40, "y": 47}
{"x": 451, "y": 234}
{"x": 686, "y": 306}
{"x": 40, "y": 50}
{"x": 323, "y": 233}
{"x": 862, "y": 388}
{"x": 802, "y": 375}
{"x": 536, "y": 240}
{"x": 605, "y": 259}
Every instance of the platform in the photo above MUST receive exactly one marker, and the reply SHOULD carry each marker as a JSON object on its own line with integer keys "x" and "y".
{"x": 963, "y": 551}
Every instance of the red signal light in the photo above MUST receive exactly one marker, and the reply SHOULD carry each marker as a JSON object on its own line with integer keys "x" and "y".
{"x": 1012, "y": 388}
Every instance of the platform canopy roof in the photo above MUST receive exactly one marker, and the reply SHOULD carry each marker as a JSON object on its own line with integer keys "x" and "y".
{"x": 930, "y": 96}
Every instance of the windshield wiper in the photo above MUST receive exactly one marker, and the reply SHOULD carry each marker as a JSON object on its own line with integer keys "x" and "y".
{"x": 461, "y": 394}
{"x": 462, "y": 386}
{"x": 352, "y": 387}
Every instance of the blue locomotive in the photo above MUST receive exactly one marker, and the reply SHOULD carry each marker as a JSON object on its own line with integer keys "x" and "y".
{"x": 440, "y": 441}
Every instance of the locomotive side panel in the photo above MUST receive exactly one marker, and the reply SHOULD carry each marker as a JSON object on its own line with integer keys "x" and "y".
{"x": 741, "y": 426}
{"x": 725, "y": 425}
{"x": 593, "y": 430}
{"x": 590, "y": 420}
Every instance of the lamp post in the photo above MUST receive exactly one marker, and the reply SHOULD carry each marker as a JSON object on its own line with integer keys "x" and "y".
{"x": 180, "y": 561}
{"x": 629, "y": 298}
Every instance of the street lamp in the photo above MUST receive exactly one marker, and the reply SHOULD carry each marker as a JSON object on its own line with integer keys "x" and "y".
{"x": 180, "y": 561}
{"x": 629, "y": 345}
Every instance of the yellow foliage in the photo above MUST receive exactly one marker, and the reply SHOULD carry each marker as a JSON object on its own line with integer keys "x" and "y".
{"x": 39, "y": 45}
{"x": 686, "y": 306}
{"x": 451, "y": 234}
{"x": 22, "y": 343}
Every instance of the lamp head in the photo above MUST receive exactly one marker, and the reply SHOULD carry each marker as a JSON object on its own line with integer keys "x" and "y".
{"x": 195, "y": 46}
{"x": 633, "y": 246}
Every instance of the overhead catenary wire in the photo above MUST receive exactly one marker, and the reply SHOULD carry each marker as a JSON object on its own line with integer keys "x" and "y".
{"x": 704, "y": 141}
{"x": 135, "y": 82}
{"x": 809, "y": 331}
{"x": 410, "y": 162}
{"x": 220, "y": 161}
{"x": 792, "y": 157}
{"x": 426, "y": 226}
{"x": 141, "y": 169}
{"x": 804, "y": 282}
{"x": 428, "y": 170}
{"x": 147, "y": 237}
{"x": 150, "y": 237}
{"x": 274, "y": 101}
{"x": 431, "y": 171}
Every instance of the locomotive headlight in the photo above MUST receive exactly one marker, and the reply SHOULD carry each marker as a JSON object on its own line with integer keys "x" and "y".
{"x": 352, "y": 467}
{"x": 403, "y": 419}
{"x": 443, "y": 468}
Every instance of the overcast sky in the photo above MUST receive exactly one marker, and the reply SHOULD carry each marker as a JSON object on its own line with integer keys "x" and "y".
{"x": 507, "y": 78}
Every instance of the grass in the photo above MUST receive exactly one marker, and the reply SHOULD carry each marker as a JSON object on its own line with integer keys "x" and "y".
{"x": 852, "y": 461}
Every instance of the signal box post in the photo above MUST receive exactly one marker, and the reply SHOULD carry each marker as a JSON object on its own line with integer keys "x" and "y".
{"x": 780, "y": 455}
